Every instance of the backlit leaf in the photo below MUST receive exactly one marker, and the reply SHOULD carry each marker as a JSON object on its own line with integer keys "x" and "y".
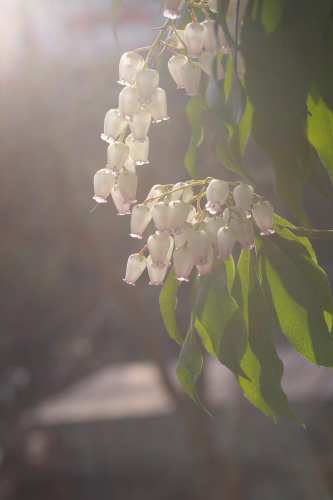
{"x": 168, "y": 305}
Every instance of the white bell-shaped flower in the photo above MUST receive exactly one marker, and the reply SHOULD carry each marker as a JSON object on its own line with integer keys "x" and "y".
{"x": 162, "y": 215}
{"x": 127, "y": 184}
{"x": 118, "y": 153}
{"x": 190, "y": 75}
{"x": 196, "y": 218}
{"x": 192, "y": 214}
{"x": 140, "y": 125}
{"x": 129, "y": 164}
{"x": 158, "y": 246}
{"x": 158, "y": 107}
{"x": 156, "y": 275}
{"x": 140, "y": 218}
{"x": 181, "y": 239}
{"x": 226, "y": 242}
{"x": 194, "y": 37}
{"x": 183, "y": 262}
{"x": 207, "y": 268}
{"x": 130, "y": 63}
{"x": 138, "y": 150}
{"x": 147, "y": 81}
{"x": 185, "y": 194}
{"x": 113, "y": 125}
{"x": 174, "y": 40}
{"x": 180, "y": 212}
{"x": 245, "y": 234}
{"x": 128, "y": 103}
{"x": 103, "y": 183}
{"x": 213, "y": 5}
{"x": 157, "y": 190}
{"x": 213, "y": 43}
{"x": 175, "y": 65}
{"x": 199, "y": 244}
{"x": 118, "y": 200}
{"x": 234, "y": 217}
{"x": 243, "y": 196}
{"x": 217, "y": 193}
{"x": 136, "y": 264}
{"x": 173, "y": 8}
{"x": 206, "y": 63}
{"x": 212, "y": 227}
{"x": 263, "y": 213}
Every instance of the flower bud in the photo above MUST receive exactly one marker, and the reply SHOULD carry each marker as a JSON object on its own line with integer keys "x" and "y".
{"x": 140, "y": 125}
{"x": 213, "y": 5}
{"x": 226, "y": 241}
{"x": 180, "y": 212}
{"x": 194, "y": 37}
{"x": 243, "y": 196}
{"x": 118, "y": 200}
{"x": 113, "y": 126}
{"x": 199, "y": 244}
{"x": 207, "y": 268}
{"x": 190, "y": 75}
{"x": 212, "y": 227}
{"x": 128, "y": 103}
{"x": 183, "y": 262}
{"x": 156, "y": 275}
{"x": 103, "y": 183}
{"x": 117, "y": 155}
{"x": 158, "y": 106}
{"x": 127, "y": 184}
{"x": 217, "y": 193}
{"x": 245, "y": 234}
{"x": 147, "y": 82}
{"x": 181, "y": 239}
{"x": 157, "y": 190}
{"x": 212, "y": 43}
{"x": 158, "y": 246}
{"x": 140, "y": 218}
{"x": 206, "y": 63}
{"x": 263, "y": 213}
{"x": 173, "y": 8}
{"x": 192, "y": 214}
{"x": 130, "y": 63}
{"x": 162, "y": 214}
{"x": 175, "y": 64}
{"x": 174, "y": 40}
{"x": 138, "y": 150}
{"x": 136, "y": 264}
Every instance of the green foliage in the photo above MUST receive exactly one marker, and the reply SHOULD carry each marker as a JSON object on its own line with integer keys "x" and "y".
{"x": 194, "y": 113}
{"x": 168, "y": 305}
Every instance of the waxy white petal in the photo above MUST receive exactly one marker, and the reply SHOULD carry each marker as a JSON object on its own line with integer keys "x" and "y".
{"x": 156, "y": 275}
{"x": 192, "y": 214}
{"x": 162, "y": 214}
{"x": 127, "y": 184}
{"x": 206, "y": 63}
{"x": 180, "y": 212}
{"x": 158, "y": 106}
{"x": 174, "y": 40}
{"x": 147, "y": 81}
{"x": 138, "y": 150}
{"x": 140, "y": 125}
{"x": 263, "y": 213}
{"x": 140, "y": 218}
{"x": 118, "y": 200}
{"x": 103, "y": 183}
{"x": 113, "y": 126}
{"x": 130, "y": 63}
{"x": 207, "y": 268}
{"x": 212, "y": 43}
{"x": 226, "y": 242}
{"x": 243, "y": 196}
{"x": 155, "y": 191}
{"x": 199, "y": 244}
{"x": 212, "y": 227}
{"x": 190, "y": 75}
{"x": 118, "y": 153}
{"x": 183, "y": 262}
{"x": 173, "y": 8}
{"x": 175, "y": 65}
{"x": 136, "y": 264}
{"x": 128, "y": 103}
{"x": 181, "y": 239}
{"x": 217, "y": 193}
{"x": 158, "y": 246}
{"x": 194, "y": 37}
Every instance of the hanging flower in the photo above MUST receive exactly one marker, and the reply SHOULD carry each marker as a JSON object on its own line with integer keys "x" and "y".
{"x": 158, "y": 246}
{"x": 226, "y": 242}
{"x": 136, "y": 264}
{"x": 217, "y": 193}
{"x": 141, "y": 216}
{"x": 199, "y": 244}
{"x": 140, "y": 125}
{"x": 158, "y": 106}
{"x": 263, "y": 213}
{"x": 138, "y": 150}
{"x": 117, "y": 155}
{"x": 243, "y": 196}
{"x": 194, "y": 37}
{"x": 173, "y": 8}
{"x": 206, "y": 63}
{"x": 103, "y": 183}
{"x": 130, "y": 63}
{"x": 128, "y": 103}
{"x": 207, "y": 268}
{"x": 175, "y": 64}
{"x": 127, "y": 184}
{"x": 190, "y": 75}
{"x": 183, "y": 262}
{"x": 146, "y": 82}
{"x": 113, "y": 125}
{"x": 118, "y": 200}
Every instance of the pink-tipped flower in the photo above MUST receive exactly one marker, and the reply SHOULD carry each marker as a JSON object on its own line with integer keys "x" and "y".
{"x": 212, "y": 227}
{"x": 140, "y": 125}
{"x": 141, "y": 216}
{"x": 206, "y": 63}
{"x": 213, "y": 5}
{"x": 180, "y": 212}
{"x": 243, "y": 196}
{"x": 263, "y": 213}
{"x": 175, "y": 65}
{"x": 156, "y": 275}
{"x": 174, "y": 40}
{"x": 158, "y": 246}
{"x": 217, "y": 193}
{"x": 192, "y": 214}
{"x": 103, "y": 183}
{"x": 138, "y": 150}
{"x": 183, "y": 262}
{"x": 157, "y": 190}
{"x": 127, "y": 184}
{"x": 213, "y": 43}
{"x": 226, "y": 242}
{"x": 207, "y": 268}
{"x": 147, "y": 82}
{"x": 162, "y": 214}
{"x": 113, "y": 125}
{"x": 190, "y": 75}
{"x": 199, "y": 244}
{"x": 128, "y": 103}
{"x": 136, "y": 264}
{"x": 245, "y": 234}
{"x": 181, "y": 239}
{"x": 118, "y": 153}
{"x": 173, "y": 8}
{"x": 158, "y": 107}
{"x": 194, "y": 37}
{"x": 130, "y": 63}
{"x": 118, "y": 200}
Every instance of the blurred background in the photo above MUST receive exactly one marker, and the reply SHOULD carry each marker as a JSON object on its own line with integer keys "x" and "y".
{"x": 89, "y": 403}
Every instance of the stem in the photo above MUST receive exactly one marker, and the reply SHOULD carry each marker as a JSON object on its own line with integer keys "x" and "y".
{"x": 194, "y": 183}
{"x": 142, "y": 48}
{"x": 156, "y": 44}
{"x": 172, "y": 49}
{"x": 311, "y": 233}
{"x": 179, "y": 37}
{"x": 143, "y": 250}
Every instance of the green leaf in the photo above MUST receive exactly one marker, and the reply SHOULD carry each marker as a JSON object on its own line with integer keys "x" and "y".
{"x": 262, "y": 342}
{"x": 236, "y": 101}
{"x": 249, "y": 362}
{"x": 296, "y": 292}
{"x": 306, "y": 242}
{"x": 220, "y": 317}
{"x": 271, "y": 15}
{"x": 189, "y": 366}
{"x": 194, "y": 114}
{"x": 245, "y": 125}
{"x": 168, "y": 305}
{"x": 115, "y": 5}
{"x": 223, "y": 7}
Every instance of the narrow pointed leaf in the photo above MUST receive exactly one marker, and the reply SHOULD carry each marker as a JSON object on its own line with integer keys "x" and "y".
{"x": 168, "y": 305}
{"x": 115, "y": 6}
